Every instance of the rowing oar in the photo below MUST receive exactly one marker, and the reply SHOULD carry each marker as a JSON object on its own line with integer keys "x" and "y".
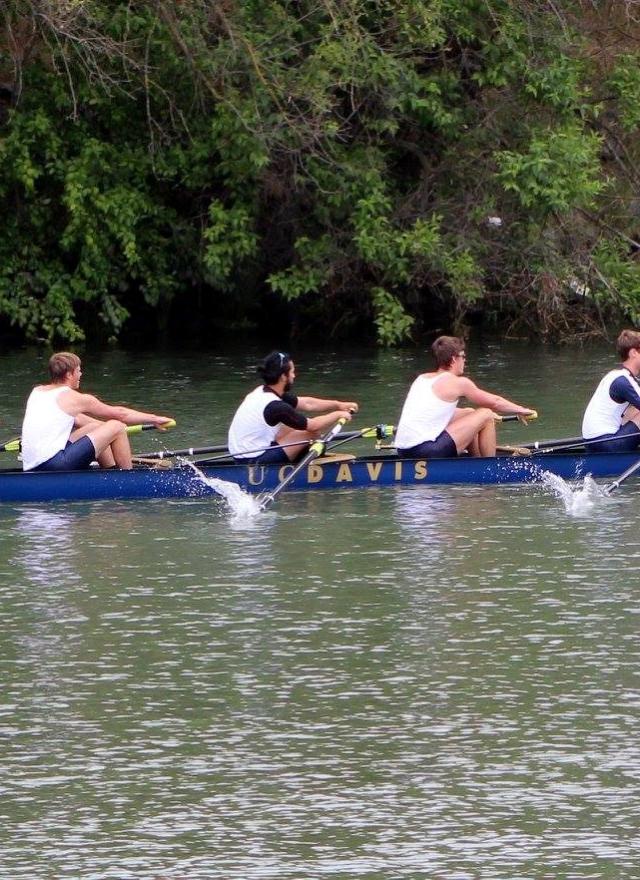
{"x": 377, "y": 431}
{"x": 611, "y": 487}
{"x": 15, "y": 445}
{"x": 560, "y": 443}
{"x": 136, "y": 429}
{"x": 316, "y": 449}
{"x": 547, "y": 446}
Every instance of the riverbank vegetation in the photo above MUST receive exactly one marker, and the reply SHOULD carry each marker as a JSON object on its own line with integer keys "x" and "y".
{"x": 364, "y": 168}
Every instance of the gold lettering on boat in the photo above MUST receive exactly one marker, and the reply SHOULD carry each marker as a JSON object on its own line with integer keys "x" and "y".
{"x": 256, "y": 475}
{"x": 314, "y": 473}
{"x": 398, "y": 470}
{"x": 344, "y": 473}
{"x": 420, "y": 471}
{"x": 373, "y": 469}
{"x": 284, "y": 471}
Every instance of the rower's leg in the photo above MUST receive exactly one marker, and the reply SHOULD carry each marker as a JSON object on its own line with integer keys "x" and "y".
{"x": 299, "y": 439}
{"x": 84, "y": 426}
{"x": 120, "y": 450}
{"x": 110, "y": 442}
{"x": 486, "y": 438}
{"x": 474, "y": 430}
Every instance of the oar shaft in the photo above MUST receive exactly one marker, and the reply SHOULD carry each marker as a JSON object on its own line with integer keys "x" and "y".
{"x": 623, "y": 476}
{"x": 546, "y": 444}
{"x": 15, "y": 445}
{"x": 377, "y": 431}
{"x": 316, "y": 449}
{"x": 550, "y": 446}
{"x": 188, "y": 450}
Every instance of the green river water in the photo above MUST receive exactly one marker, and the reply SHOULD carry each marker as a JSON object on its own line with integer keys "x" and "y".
{"x": 423, "y": 682}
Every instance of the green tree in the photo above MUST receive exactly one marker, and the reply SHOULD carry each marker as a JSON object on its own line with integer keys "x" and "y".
{"x": 382, "y": 165}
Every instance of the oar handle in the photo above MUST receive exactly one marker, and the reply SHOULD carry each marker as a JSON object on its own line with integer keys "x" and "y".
{"x": 514, "y": 417}
{"x": 166, "y": 426}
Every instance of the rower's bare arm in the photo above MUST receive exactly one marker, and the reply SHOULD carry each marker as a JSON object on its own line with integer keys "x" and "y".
{"x": 77, "y": 404}
{"x": 319, "y": 404}
{"x": 319, "y": 424}
{"x": 495, "y": 402}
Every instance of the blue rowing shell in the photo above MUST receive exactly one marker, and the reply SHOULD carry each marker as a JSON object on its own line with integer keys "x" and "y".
{"x": 183, "y": 481}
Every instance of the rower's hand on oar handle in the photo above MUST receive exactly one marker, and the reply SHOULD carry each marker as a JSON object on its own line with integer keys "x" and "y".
{"x": 352, "y": 406}
{"x": 162, "y": 423}
{"x": 525, "y": 418}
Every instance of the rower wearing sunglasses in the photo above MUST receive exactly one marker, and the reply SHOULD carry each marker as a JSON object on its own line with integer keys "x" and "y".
{"x": 432, "y": 425}
{"x": 271, "y": 426}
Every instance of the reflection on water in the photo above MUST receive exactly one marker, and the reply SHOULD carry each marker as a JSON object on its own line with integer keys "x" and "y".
{"x": 427, "y": 682}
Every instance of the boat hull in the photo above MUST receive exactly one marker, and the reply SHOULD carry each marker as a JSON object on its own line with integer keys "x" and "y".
{"x": 367, "y": 472}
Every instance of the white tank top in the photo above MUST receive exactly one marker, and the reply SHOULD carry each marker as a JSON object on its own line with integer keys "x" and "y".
{"x": 46, "y": 428}
{"x": 248, "y": 431}
{"x": 424, "y": 416}
{"x": 603, "y": 415}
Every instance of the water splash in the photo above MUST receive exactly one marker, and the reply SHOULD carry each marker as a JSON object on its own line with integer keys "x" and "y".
{"x": 242, "y": 505}
{"x": 578, "y": 500}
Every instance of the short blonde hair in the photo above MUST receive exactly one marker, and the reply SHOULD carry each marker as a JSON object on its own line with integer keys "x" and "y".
{"x": 62, "y": 363}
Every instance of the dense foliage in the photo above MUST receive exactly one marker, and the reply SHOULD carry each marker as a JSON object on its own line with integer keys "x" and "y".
{"x": 363, "y": 166}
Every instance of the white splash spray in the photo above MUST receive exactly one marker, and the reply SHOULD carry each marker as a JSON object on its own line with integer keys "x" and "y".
{"x": 241, "y": 504}
{"x": 578, "y": 500}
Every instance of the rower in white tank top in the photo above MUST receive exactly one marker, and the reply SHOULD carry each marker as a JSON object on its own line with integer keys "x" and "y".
{"x": 432, "y": 425}
{"x": 424, "y": 415}
{"x": 46, "y": 427}
{"x": 615, "y": 392}
{"x": 249, "y": 433}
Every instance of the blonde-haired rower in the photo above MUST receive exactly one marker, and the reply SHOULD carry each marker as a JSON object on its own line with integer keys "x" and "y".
{"x": 66, "y": 430}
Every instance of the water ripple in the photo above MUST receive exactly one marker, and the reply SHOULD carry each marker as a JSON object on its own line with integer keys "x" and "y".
{"x": 412, "y": 683}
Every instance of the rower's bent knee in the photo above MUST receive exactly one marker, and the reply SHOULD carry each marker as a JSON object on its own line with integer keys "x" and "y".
{"x": 116, "y": 428}
{"x": 485, "y": 414}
